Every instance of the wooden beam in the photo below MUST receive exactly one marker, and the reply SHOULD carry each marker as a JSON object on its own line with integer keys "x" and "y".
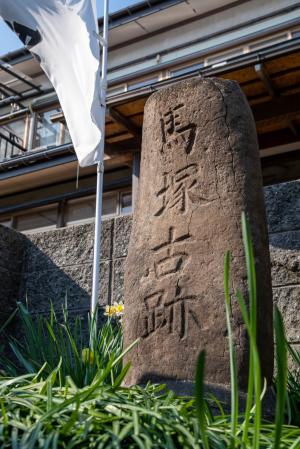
{"x": 113, "y": 149}
{"x": 293, "y": 127}
{"x": 125, "y": 121}
{"x": 279, "y": 106}
{"x": 263, "y": 75}
{"x": 281, "y": 168}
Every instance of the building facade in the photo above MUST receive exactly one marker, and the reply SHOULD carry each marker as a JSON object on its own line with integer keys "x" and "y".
{"x": 50, "y": 202}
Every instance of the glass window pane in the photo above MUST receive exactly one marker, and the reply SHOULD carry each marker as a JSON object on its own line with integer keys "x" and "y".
{"x": 48, "y": 132}
{"x": 81, "y": 210}
{"x": 186, "y": 69}
{"x": 222, "y": 58}
{"x": 65, "y": 135}
{"x": 142, "y": 83}
{"x": 40, "y": 219}
{"x": 126, "y": 203}
{"x": 116, "y": 90}
{"x": 267, "y": 42}
{"x": 110, "y": 203}
{"x": 15, "y": 132}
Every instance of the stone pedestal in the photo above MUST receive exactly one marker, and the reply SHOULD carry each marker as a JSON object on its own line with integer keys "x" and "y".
{"x": 200, "y": 169}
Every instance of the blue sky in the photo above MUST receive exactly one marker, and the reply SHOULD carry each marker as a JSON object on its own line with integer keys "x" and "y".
{"x": 9, "y": 41}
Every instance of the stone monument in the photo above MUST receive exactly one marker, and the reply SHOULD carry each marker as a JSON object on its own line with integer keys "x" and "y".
{"x": 200, "y": 169}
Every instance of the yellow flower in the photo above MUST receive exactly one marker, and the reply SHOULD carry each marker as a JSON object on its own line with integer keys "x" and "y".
{"x": 117, "y": 309}
{"x": 110, "y": 311}
{"x": 87, "y": 356}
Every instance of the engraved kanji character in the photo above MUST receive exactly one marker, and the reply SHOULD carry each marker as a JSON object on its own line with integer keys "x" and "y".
{"x": 177, "y": 188}
{"x": 176, "y": 133}
{"x": 169, "y": 259}
{"x": 173, "y": 314}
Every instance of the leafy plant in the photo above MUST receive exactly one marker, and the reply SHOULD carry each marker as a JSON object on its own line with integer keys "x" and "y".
{"x": 293, "y": 390}
{"x": 72, "y": 396}
{"x": 246, "y": 429}
{"x": 52, "y": 341}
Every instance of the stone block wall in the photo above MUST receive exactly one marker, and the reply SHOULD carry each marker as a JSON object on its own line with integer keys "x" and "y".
{"x": 58, "y": 265}
{"x": 47, "y": 266}
{"x": 283, "y": 212}
{"x": 11, "y": 262}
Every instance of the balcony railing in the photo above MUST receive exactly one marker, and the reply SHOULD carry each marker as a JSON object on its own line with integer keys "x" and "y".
{"x": 10, "y": 146}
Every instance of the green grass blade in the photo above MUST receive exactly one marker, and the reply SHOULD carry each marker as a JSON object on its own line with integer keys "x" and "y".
{"x": 281, "y": 380}
{"x": 251, "y": 275}
{"x": 254, "y": 364}
{"x": 232, "y": 355}
{"x": 255, "y": 374}
{"x": 199, "y": 398}
{"x": 8, "y": 321}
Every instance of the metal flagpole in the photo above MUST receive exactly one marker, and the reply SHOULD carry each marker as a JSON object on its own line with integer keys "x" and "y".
{"x": 100, "y": 170}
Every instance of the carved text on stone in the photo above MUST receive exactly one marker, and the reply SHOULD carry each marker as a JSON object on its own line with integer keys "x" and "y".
{"x": 173, "y": 313}
{"x": 177, "y": 189}
{"x": 176, "y": 132}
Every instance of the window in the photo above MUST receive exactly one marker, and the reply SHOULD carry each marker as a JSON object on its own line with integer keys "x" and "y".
{"x": 142, "y": 83}
{"x": 39, "y": 219}
{"x": 15, "y": 131}
{"x": 222, "y": 59}
{"x": 126, "y": 202}
{"x": 186, "y": 69}
{"x": 80, "y": 210}
{"x": 69, "y": 213}
{"x": 110, "y": 204}
{"x": 111, "y": 91}
{"x": 50, "y": 129}
{"x": 267, "y": 42}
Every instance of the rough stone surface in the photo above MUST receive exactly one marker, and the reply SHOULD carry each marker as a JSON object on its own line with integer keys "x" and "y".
{"x": 59, "y": 263}
{"x": 122, "y": 232}
{"x": 283, "y": 206}
{"x": 11, "y": 250}
{"x": 285, "y": 258}
{"x": 118, "y": 280}
{"x": 11, "y": 259}
{"x": 54, "y": 285}
{"x": 294, "y": 366}
{"x": 288, "y": 301}
{"x": 200, "y": 169}
{"x": 9, "y": 289}
{"x": 66, "y": 247}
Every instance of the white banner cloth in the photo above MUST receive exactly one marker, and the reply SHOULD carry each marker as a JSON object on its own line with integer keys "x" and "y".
{"x": 62, "y": 34}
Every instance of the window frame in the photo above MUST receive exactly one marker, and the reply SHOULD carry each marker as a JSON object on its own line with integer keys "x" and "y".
{"x": 62, "y": 127}
{"x": 33, "y": 211}
{"x": 61, "y": 212}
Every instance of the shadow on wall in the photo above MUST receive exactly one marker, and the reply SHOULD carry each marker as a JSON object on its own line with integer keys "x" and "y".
{"x": 283, "y": 213}
{"x": 43, "y": 276}
{"x": 50, "y": 266}
{"x": 27, "y": 272}
{"x": 44, "y": 281}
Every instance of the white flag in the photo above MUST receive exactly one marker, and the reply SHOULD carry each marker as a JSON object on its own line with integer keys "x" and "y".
{"x": 63, "y": 35}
